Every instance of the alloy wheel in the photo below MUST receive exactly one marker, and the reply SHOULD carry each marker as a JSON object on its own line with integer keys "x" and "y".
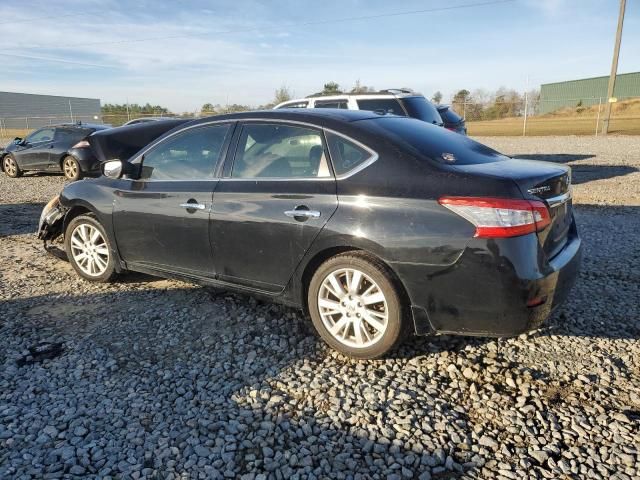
{"x": 70, "y": 167}
{"x": 10, "y": 166}
{"x": 353, "y": 308}
{"x": 89, "y": 250}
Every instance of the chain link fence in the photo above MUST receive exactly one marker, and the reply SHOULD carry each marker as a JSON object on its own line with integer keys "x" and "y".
{"x": 555, "y": 117}
{"x": 524, "y": 117}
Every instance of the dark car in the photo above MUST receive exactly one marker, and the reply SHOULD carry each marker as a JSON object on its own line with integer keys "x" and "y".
{"x": 53, "y": 149}
{"x": 376, "y": 225}
{"x": 452, "y": 121}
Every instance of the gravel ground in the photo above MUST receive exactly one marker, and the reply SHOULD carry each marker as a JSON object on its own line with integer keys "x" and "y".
{"x": 162, "y": 379}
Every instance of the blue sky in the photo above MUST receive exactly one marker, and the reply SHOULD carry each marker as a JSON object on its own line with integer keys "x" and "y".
{"x": 183, "y": 53}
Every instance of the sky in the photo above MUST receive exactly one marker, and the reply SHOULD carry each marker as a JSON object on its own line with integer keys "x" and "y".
{"x": 184, "y": 53}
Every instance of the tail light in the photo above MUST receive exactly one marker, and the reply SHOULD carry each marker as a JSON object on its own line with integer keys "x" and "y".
{"x": 81, "y": 144}
{"x": 500, "y": 217}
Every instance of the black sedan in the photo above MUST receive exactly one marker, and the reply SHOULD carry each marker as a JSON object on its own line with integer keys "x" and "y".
{"x": 53, "y": 149}
{"x": 452, "y": 121}
{"x": 376, "y": 225}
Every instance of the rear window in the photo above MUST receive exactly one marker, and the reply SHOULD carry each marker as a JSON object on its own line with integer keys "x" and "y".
{"x": 450, "y": 116}
{"x": 434, "y": 142}
{"x": 386, "y": 105}
{"x": 420, "y": 108}
{"x": 72, "y": 135}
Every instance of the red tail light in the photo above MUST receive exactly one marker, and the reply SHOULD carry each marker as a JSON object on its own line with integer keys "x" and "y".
{"x": 500, "y": 217}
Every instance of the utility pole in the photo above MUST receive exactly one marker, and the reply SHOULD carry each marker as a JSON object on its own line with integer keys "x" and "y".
{"x": 614, "y": 68}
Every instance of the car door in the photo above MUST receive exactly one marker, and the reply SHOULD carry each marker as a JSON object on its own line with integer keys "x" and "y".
{"x": 34, "y": 152}
{"x": 161, "y": 220}
{"x": 276, "y": 194}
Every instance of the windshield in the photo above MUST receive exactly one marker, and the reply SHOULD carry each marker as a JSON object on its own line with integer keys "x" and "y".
{"x": 420, "y": 108}
{"x": 434, "y": 142}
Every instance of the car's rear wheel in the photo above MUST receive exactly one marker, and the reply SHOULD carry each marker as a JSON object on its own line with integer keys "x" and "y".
{"x": 71, "y": 168}
{"x": 88, "y": 249}
{"x": 355, "y": 306}
{"x": 10, "y": 166}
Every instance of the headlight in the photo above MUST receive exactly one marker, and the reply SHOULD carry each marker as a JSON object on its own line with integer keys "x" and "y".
{"x": 47, "y": 208}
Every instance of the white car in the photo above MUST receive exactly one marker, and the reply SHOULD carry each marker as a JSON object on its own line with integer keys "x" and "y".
{"x": 405, "y": 103}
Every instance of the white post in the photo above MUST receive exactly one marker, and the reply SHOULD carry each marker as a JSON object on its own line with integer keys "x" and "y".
{"x": 598, "y": 117}
{"x": 26, "y": 120}
{"x": 526, "y": 105}
{"x": 128, "y": 117}
{"x": 70, "y": 111}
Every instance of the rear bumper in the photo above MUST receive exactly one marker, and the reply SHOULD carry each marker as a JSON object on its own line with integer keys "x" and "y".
{"x": 498, "y": 287}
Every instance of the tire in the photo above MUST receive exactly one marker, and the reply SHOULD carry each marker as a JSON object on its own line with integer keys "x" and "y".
{"x": 10, "y": 166}
{"x": 71, "y": 168}
{"x": 360, "y": 330}
{"x": 89, "y": 249}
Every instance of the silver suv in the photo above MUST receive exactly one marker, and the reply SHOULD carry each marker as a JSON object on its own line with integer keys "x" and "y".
{"x": 403, "y": 102}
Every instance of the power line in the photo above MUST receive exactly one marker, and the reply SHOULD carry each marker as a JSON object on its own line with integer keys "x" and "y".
{"x": 48, "y": 17}
{"x": 278, "y": 27}
{"x": 57, "y": 60}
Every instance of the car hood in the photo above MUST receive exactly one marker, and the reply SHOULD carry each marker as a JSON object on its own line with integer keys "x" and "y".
{"x": 124, "y": 142}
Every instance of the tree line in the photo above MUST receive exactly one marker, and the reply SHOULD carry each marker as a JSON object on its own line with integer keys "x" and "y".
{"x": 478, "y": 104}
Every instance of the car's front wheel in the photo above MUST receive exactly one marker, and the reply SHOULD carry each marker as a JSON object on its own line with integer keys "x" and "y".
{"x": 10, "y": 166}
{"x": 71, "y": 168}
{"x": 88, "y": 249}
{"x": 355, "y": 306}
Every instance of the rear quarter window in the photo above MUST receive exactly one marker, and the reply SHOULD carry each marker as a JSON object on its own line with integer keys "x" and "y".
{"x": 347, "y": 156}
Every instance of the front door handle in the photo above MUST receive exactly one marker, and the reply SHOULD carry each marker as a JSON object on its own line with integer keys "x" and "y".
{"x": 193, "y": 206}
{"x": 302, "y": 213}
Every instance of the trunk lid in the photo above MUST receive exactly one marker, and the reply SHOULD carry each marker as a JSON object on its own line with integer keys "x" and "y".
{"x": 537, "y": 180}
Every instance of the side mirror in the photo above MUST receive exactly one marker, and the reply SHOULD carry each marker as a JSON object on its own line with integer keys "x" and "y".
{"x": 17, "y": 141}
{"x": 112, "y": 168}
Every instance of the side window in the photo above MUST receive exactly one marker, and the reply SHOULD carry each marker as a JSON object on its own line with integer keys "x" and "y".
{"x": 279, "y": 151}
{"x": 387, "y": 105}
{"x": 191, "y": 155}
{"x": 44, "y": 135}
{"x": 332, "y": 104}
{"x": 346, "y": 155}
{"x": 71, "y": 135}
{"x": 296, "y": 105}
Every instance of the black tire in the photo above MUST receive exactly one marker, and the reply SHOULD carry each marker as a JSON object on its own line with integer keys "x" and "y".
{"x": 10, "y": 166}
{"x": 73, "y": 250}
{"x": 374, "y": 272}
{"x": 71, "y": 168}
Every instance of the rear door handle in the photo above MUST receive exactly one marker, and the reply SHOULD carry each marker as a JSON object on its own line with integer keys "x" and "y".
{"x": 302, "y": 213}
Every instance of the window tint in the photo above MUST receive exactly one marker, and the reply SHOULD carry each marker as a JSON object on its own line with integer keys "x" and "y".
{"x": 345, "y": 154}
{"x": 44, "y": 135}
{"x": 387, "y": 105}
{"x": 422, "y": 109}
{"x": 279, "y": 151}
{"x": 191, "y": 155}
{"x": 332, "y": 104}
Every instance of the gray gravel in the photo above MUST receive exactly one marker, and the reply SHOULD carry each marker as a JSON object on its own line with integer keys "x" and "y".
{"x": 162, "y": 379}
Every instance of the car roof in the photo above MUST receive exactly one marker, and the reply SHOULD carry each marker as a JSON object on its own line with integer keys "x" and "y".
{"x": 97, "y": 126}
{"x": 318, "y": 117}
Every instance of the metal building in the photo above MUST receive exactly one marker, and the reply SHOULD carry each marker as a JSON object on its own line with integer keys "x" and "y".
{"x": 28, "y": 111}
{"x": 587, "y": 91}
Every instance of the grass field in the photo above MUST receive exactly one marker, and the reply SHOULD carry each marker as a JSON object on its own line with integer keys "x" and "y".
{"x": 625, "y": 119}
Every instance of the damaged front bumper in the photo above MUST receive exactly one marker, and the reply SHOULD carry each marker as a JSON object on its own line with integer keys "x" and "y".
{"x": 51, "y": 220}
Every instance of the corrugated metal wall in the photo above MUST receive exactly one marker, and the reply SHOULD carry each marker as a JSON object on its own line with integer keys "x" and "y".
{"x": 16, "y": 109}
{"x": 588, "y": 91}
